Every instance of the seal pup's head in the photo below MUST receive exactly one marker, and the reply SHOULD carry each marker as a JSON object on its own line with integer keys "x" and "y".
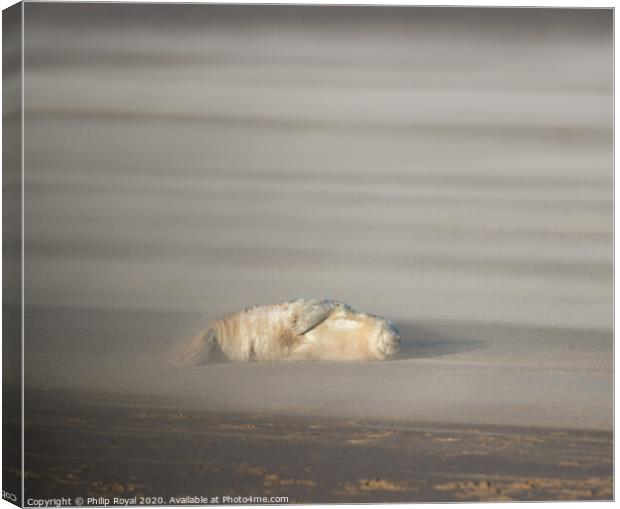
{"x": 387, "y": 341}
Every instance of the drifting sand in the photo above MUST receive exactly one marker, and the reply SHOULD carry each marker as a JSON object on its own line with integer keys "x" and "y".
{"x": 460, "y": 372}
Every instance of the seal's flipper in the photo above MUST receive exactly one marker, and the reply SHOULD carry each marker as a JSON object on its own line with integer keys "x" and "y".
{"x": 308, "y": 313}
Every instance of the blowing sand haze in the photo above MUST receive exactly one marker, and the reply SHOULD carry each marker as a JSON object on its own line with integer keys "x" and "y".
{"x": 168, "y": 164}
{"x": 302, "y": 329}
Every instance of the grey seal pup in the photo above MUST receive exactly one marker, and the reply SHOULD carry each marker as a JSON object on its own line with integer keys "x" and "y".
{"x": 303, "y": 329}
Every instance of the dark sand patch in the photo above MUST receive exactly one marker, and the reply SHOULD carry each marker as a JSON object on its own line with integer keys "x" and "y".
{"x": 99, "y": 445}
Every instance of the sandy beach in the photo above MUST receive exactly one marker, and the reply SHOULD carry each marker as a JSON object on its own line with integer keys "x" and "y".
{"x": 448, "y": 169}
{"x": 445, "y": 372}
{"x": 97, "y": 445}
{"x": 451, "y": 419}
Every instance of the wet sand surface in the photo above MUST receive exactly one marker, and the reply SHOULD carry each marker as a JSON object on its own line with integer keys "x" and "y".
{"x": 95, "y": 445}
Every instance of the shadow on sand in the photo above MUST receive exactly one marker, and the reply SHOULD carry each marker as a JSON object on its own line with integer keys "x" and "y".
{"x": 419, "y": 342}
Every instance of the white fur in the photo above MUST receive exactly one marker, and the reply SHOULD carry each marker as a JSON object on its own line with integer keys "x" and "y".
{"x": 303, "y": 329}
